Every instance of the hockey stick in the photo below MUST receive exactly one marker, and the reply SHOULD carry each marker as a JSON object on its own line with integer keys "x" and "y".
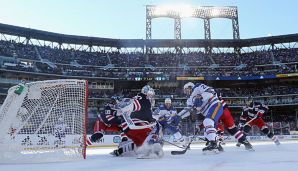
{"x": 187, "y": 147}
{"x": 172, "y": 144}
{"x": 250, "y": 120}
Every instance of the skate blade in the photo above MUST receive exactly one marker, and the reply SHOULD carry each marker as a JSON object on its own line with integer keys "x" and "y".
{"x": 211, "y": 152}
{"x": 113, "y": 154}
{"x": 144, "y": 157}
{"x": 250, "y": 149}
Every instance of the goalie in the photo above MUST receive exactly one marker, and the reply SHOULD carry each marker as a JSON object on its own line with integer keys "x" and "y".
{"x": 140, "y": 126}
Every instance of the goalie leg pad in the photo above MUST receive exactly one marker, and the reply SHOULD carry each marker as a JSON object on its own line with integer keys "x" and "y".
{"x": 125, "y": 149}
{"x": 138, "y": 136}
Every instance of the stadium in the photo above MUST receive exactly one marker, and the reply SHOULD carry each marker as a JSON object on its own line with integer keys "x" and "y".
{"x": 262, "y": 67}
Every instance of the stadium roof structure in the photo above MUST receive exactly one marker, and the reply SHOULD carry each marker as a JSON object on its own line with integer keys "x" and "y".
{"x": 64, "y": 38}
{"x": 29, "y": 33}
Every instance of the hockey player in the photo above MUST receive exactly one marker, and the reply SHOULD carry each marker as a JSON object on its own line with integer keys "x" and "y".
{"x": 226, "y": 121}
{"x": 204, "y": 99}
{"x": 167, "y": 116}
{"x": 140, "y": 126}
{"x": 107, "y": 121}
{"x": 252, "y": 115}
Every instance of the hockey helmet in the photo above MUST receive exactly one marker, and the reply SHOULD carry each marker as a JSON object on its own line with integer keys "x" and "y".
{"x": 249, "y": 100}
{"x": 148, "y": 91}
{"x": 187, "y": 88}
{"x": 188, "y": 85}
{"x": 168, "y": 100}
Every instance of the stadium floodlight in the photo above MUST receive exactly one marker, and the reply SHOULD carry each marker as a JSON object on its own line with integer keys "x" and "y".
{"x": 173, "y": 11}
{"x": 214, "y": 12}
{"x": 184, "y": 10}
{"x": 180, "y": 11}
{"x": 187, "y": 11}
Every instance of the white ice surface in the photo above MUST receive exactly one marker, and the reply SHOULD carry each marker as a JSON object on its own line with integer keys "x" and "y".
{"x": 267, "y": 157}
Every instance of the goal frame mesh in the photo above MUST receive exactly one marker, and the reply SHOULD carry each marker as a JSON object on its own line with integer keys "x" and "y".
{"x": 47, "y": 122}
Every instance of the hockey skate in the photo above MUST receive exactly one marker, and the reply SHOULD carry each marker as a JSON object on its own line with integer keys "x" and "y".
{"x": 220, "y": 148}
{"x": 219, "y": 145}
{"x": 238, "y": 144}
{"x": 212, "y": 148}
{"x": 277, "y": 142}
{"x": 248, "y": 146}
{"x": 117, "y": 152}
{"x": 126, "y": 148}
{"x": 220, "y": 139}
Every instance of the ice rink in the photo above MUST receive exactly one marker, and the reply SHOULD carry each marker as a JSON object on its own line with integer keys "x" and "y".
{"x": 267, "y": 156}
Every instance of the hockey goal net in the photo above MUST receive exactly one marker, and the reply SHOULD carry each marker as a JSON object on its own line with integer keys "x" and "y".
{"x": 45, "y": 122}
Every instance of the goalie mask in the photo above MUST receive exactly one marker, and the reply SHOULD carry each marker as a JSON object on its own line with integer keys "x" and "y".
{"x": 148, "y": 91}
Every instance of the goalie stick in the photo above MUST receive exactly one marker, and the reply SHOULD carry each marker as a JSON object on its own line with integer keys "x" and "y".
{"x": 172, "y": 144}
{"x": 187, "y": 147}
{"x": 131, "y": 124}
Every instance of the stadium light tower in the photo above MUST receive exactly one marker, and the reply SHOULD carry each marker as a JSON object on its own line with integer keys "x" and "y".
{"x": 178, "y": 12}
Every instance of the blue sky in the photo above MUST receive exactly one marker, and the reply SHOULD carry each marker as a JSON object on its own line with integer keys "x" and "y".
{"x": 126, "y": 18}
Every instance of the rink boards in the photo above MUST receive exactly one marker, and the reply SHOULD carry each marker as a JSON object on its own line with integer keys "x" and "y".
{"x": 113, "y": 140}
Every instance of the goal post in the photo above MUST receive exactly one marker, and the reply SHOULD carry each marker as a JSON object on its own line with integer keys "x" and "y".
{"x": 44, "y": 121}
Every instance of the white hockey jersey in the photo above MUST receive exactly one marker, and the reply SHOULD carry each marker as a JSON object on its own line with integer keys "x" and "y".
{"x": 207, "y": 95}
{"x": 164, "y": 112}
